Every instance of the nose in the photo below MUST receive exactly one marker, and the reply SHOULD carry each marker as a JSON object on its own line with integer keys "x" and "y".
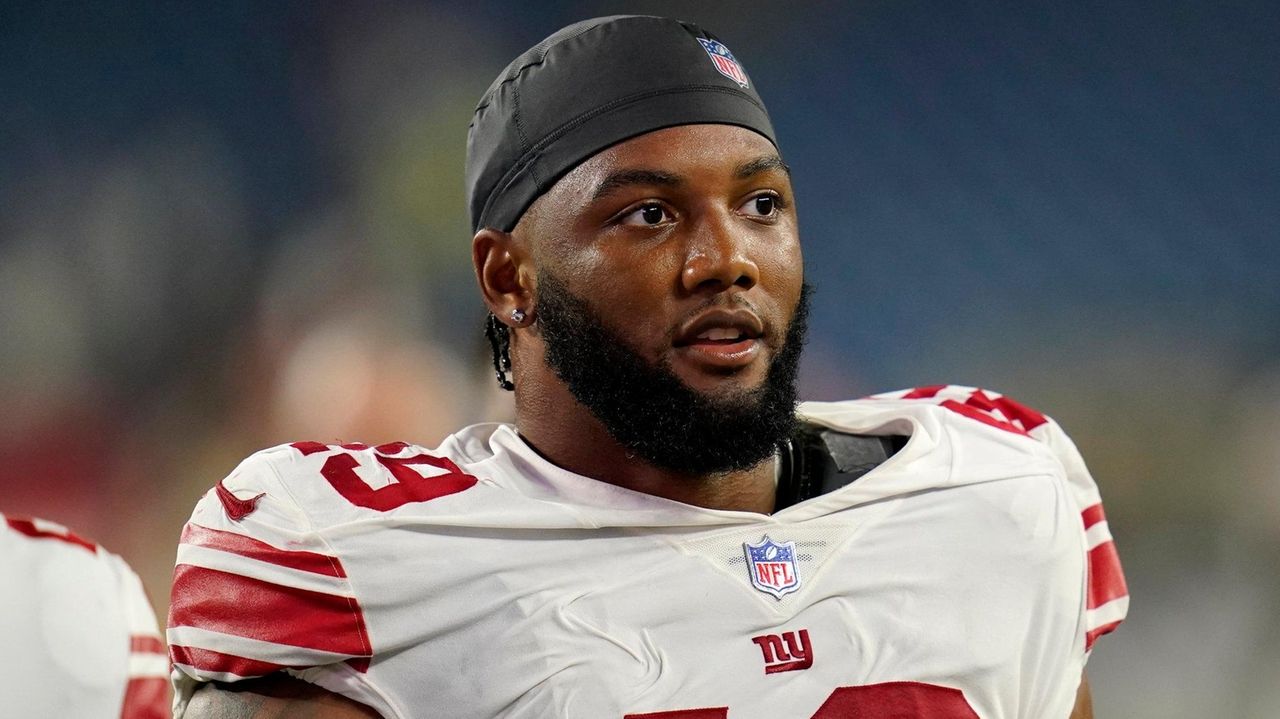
{"x": 718, "y": 258}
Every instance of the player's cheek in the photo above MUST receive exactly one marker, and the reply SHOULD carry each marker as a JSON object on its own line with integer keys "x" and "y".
{"x": 782, "y": 269}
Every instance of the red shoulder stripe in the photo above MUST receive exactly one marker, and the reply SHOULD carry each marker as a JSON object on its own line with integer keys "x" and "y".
{"x": 29, "y": 528}
{"x": 242, "y": 606}
{"x": 207, "y": 660}
{"x": 234, "y": 543}
{"x": 146, "y": 698}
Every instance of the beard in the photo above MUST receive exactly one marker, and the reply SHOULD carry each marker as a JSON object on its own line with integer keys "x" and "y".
{"x": 649, "y": 410}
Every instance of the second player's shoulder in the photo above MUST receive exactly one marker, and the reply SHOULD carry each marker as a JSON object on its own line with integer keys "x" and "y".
{"x": 40, "y": 548}
{"x": 21, "y": 536}
{"x": 70, "y": 604}
{"x": 56, "y": 552}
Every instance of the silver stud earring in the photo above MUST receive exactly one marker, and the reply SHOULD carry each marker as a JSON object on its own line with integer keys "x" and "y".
{"x": 517, "y": 315}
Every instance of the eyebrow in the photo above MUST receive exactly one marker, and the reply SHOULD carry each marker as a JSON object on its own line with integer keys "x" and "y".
{"x": 625, "y": 178}
{"x": 761, "y": 164}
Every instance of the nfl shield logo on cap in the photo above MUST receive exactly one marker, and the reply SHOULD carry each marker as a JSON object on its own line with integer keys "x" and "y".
{"x": 772, "y": 566}
{"x": 724, "y": 61}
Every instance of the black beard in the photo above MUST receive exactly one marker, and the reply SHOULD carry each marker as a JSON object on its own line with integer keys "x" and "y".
{"x": 649, "y": 410}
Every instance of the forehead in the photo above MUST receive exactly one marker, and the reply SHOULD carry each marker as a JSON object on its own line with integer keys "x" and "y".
{"x": 696, "y": 152}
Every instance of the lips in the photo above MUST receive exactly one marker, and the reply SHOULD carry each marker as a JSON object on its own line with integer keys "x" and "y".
{"x": 721, "y": 338}
{"x": 720, "y": 326}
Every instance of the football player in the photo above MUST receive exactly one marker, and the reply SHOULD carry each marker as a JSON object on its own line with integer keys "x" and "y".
{"x": 663, "y": 533}
{"x": 79, "y": 636}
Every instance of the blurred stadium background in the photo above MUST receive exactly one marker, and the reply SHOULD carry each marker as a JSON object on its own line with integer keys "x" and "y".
{"x": 229, "y": 225}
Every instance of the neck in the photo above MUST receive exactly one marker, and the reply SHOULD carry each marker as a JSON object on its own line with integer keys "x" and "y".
{"x": 563, "y": 431}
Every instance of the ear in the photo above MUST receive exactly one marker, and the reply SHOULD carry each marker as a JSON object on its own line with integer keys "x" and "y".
{"x": 504, "y": 273}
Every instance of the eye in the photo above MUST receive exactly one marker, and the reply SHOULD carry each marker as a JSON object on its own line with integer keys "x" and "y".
{"x": 766, "y": 205}
{"x": 646, "y": 215}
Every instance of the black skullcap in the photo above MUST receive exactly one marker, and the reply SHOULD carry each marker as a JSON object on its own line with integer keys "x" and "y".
{"x": 591, "y": 85}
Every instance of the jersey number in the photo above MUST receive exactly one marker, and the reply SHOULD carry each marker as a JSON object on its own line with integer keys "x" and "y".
{"x": 410, "y": 484}
{"x": 873, "y": 701}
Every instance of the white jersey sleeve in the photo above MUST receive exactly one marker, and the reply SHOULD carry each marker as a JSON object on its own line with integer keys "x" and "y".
{"x": 255, "y": 589}
{"x": 1107, "y": 595}
{"x": 80, "y": 637}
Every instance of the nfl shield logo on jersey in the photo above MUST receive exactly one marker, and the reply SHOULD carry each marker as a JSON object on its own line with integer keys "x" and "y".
{"x": 773, "y": 566}
{"x": 724, "y": 61}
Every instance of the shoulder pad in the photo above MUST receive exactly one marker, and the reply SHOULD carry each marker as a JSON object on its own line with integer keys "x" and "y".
{"x": 817, "y": 460}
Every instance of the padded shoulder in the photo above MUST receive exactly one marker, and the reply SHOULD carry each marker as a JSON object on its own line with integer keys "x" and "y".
{"x": 991, "y": 408}
{"x": 256, "y": 588}
{"x": 82, "y": 619}
{"x": 313, "y": 485}
{"x": 1107, "y": 595}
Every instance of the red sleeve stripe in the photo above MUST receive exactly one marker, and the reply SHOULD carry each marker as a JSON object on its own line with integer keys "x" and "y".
{"x": 29, "y": 528}
{"x": 194, "y": 534}
{"x": 141, "y": 643}
{"x": 207, "y": 661}
{"x": 1106, "y": 578}
{"x": 146, "y": 698}
{"x": 1093, "y": 515}
{"x": 232, "y": 604}
{"x": 1092, "y": 635}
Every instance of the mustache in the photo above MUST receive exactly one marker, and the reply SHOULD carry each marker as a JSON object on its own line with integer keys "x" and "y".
{"x": 773, "y": 335}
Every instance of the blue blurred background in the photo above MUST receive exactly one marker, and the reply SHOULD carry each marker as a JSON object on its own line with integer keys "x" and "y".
{"x": 227, "y": 225}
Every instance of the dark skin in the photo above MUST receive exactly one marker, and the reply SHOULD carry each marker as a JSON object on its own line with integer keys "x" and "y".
{"x": 655, "y": 232}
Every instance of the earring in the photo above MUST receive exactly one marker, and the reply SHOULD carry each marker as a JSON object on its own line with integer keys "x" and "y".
{"x": 517, "y": 315}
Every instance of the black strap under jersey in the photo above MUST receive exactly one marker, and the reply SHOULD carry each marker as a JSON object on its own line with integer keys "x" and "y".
{"x": 817, "y": 460}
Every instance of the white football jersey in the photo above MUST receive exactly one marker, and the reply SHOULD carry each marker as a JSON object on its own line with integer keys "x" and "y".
{"x": 967, "y": 576}
{"x": 78, "y": 637}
